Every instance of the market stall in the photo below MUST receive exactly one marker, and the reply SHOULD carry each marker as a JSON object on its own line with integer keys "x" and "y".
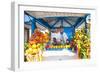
{"x": 57, "y": 34}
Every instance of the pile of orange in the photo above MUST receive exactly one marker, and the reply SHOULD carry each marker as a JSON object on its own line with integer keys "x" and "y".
{"x": 39, "y": 37}
{"x": 36, "y": 46}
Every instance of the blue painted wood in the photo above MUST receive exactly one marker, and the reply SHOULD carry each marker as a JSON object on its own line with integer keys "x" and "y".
{"x": 69, "y": 32}
{"x": 33, "y": 25}
{"x": 43, "y": 23}
{"x": 67, "y": 22}
{"x": 86, "y": 23}
{"x": 78, "y": 22}
{"x": 55, "y": 23}
{"x": 62, "y": 22}
{"x": 73, "y": 31}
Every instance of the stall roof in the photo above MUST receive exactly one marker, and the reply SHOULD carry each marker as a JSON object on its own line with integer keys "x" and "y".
{"x": 42, "y": 14}
{"x": 57, "y": 19}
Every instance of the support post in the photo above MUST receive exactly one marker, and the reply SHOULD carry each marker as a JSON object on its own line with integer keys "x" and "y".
{"x": 85, "y": 25}
{"x": 61, "y": 22}
{"x": 33, "y": 26}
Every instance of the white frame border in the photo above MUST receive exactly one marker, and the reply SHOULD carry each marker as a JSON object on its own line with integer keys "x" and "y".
{"x": 17, "y": 37}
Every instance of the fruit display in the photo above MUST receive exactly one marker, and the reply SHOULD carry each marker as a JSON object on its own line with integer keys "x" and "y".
{"x": 39, "y": 37}
{"x": 40, "y": 40}
{"x": 57, "y": 46}
{"x": 34, "y": 48}
{"x": 82, "y": 43}
{"x": 34, "y": 53}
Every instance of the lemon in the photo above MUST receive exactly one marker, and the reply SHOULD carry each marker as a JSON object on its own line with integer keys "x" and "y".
{"x": 34, "y": 46}
{"x": 67, "y": 46}
{"x": 29, "y": 51}
{"x": 35, "y": 51}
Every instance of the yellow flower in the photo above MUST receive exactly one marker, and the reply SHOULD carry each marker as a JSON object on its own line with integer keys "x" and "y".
{"x": 29, "y": 51}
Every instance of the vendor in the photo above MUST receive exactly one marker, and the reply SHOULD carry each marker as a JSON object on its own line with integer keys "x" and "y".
{"x": 59, "y": 35}
{"x": 64, "y": 36}
{"x": 55, "y": 34}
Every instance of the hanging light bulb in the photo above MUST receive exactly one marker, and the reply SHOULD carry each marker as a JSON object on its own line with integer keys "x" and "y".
{"x": 88, "y": 20}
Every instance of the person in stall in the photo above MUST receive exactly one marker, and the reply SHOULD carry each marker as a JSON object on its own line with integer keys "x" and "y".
{"x": 55, "y": 37}
{"x": 64, "y": 37}
{"x": 58, "y": 36}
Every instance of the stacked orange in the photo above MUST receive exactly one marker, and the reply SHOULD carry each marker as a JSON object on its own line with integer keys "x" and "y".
{"x": 39, "y": 37}
{"x": 36, "y": 45}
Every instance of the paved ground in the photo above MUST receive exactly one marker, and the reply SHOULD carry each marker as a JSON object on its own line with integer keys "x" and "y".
{"x": 59, "y": 55}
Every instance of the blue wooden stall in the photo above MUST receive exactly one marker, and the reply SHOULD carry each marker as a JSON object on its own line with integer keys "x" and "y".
{"x": 70, "y": 29}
